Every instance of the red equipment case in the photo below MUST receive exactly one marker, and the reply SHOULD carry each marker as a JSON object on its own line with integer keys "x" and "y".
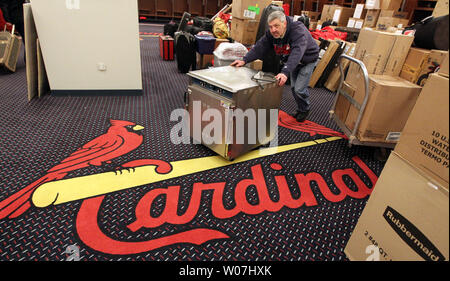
{"x": 166, "y": 47}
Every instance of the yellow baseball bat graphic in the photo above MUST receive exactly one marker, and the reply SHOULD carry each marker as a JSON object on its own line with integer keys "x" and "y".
{"x": 67, "y": 190}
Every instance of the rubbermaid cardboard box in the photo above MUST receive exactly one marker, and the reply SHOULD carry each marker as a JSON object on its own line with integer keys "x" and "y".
{"x": 248, "y": 9}
{"x": 381, "y": 53}
{"x": 406, "y": 218}
{"x": 390, "y": 102}
{"x": 425, "y": 138}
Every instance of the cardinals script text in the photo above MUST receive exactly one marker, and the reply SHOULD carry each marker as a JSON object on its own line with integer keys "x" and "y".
{"x": 92, "y": 235}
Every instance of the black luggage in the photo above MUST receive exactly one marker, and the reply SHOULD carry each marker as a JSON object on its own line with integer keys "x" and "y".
{"x": 431, "y": 33}
{"x": 305, "y": 20}
{"x": 192, "y": 29}
{"x": 170, "y": 28}
{"x": 205, "y": 24}
{"x": 352, "y": 33}
{"x": 186, "y": 51}
{"x": 184, "y": 21}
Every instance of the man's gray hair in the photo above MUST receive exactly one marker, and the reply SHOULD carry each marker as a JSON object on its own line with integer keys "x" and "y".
{"x": 276, "y": 15}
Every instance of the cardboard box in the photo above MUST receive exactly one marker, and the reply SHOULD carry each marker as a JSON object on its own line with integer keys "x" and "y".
{"x": 424, "y": 140}
{"x": 359, "y": 23}
{"x": 355, "y": 23}
{"x": 319, "y": 24}
{"x": 443, "y": 70}
{"x": 394, "y": 14}
{"x": 313, "y": 16}
{"x": 405, "y": 219}
{"x": 371, "y": 18}
{"x": 335, "y": 76}
{"x": 381, "y": 53}
{"x": 256, "y": 65}
{"x": 342, "y": 14}
{"x": 278, "y": 3}
{"x": 373, "y": 4}
{"x": 204, "y": 60}
{"x": 327, "y": 12}
{"x": 360, "y": 12}
{"x": 414, "y": 62}
{"x": 390, "y": 4}
{"x": 441, "y": 8}
{"x": 435, "y": 59}
{"x": 384, "y": 23}
{"x": 351, "y": 22}
{"x": 248, "y": 9}
{"x": 390, "y": 102}
{"x": 343, "y": 104}
{"x": 323, "y": 63}
{"x": 244, "y": 31}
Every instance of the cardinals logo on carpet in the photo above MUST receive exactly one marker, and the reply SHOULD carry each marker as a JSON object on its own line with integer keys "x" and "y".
{"x": 123, "y": 137}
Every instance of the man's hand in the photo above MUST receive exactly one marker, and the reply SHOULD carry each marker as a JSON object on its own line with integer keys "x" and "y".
{"x": 238, "y": 63}
{"x": 281, "y": 78}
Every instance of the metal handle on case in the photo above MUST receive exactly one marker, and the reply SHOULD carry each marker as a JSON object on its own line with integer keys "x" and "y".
{"x": 186, "y": 97}
{"x": 264, "y": 77}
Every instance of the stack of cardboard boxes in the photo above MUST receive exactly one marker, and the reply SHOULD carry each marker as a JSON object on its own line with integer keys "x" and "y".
{"x": 378, "y": 14}
{"x": 384, "y": 14}
{"x": 357, "y": 21}
{"x": 407, "y": 214}
{"x": 391, "y": 98}
{"x": 246, "y": 16}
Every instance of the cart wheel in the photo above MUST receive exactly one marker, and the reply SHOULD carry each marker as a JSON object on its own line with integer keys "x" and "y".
{"x": 351, "y": 139}
{"x": 382, "y": 154}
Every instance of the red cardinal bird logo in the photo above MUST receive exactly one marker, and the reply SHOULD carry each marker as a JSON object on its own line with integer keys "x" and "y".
{"x": 120, "y": 139}
{"x": 307, "y": 126}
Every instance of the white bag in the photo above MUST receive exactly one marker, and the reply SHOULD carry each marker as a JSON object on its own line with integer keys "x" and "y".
{"x": 230, "y": 51}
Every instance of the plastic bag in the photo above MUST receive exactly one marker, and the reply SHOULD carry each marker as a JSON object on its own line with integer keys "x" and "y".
{"x": 220, "y": 28}
{"x": 230, "y": 51}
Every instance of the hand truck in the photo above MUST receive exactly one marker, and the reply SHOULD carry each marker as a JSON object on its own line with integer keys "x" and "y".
{"x": 351, "y": 134}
